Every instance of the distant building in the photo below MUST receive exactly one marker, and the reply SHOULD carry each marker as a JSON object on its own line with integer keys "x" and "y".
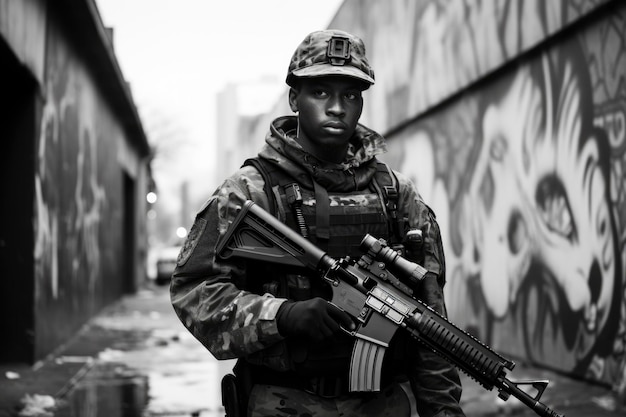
{"x": 242, "y": 109}
{"x": 75, "y": 170}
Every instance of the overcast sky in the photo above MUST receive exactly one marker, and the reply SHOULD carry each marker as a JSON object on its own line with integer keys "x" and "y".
{"x": 177, "y": 54}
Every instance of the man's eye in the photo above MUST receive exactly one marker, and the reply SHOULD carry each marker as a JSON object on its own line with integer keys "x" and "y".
{"x": 352, "y": 96}
{"x": 320, "y": 93}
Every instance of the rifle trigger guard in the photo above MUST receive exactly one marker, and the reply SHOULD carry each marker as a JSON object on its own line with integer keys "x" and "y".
{"x": 351, "y": 333}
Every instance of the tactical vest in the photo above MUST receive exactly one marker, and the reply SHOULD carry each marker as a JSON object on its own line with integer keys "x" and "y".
{"x": 338, "y": 226}
{"x": 336, "y": 223}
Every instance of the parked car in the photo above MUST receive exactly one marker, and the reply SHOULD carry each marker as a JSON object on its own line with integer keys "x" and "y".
{"x": 165, "y": 263}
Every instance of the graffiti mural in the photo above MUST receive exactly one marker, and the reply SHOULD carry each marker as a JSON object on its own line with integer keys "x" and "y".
{"x": 66, "y": 182}
{"x": 78, "y": 195}
{"x": 528, "y": 182}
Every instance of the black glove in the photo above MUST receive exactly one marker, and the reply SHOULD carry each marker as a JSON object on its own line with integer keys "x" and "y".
{"x": 315, "y": 319}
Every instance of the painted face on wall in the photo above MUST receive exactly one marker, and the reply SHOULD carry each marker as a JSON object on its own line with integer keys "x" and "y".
{"x": 328, "y": 109}
{"x": 540, "y": 201}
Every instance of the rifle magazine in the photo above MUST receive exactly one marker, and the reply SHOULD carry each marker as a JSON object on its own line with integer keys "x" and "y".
{"x": 366, "y": 366}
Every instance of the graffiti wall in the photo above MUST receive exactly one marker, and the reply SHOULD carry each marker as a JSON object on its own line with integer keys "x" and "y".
{"x": 510, "y": 118}
{"x": 80, "y": 251}
{"x": 425, "y": 52}
{"x": 535, "y": 221}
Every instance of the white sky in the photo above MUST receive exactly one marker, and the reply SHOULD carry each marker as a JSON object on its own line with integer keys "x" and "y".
{"x": 177, "y": 54}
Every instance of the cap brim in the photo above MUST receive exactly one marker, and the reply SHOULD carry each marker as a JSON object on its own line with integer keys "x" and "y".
{"x": 320, "y": 70}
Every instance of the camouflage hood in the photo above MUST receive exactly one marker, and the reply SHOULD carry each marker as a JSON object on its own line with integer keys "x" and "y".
{"x": 354, "y": 173}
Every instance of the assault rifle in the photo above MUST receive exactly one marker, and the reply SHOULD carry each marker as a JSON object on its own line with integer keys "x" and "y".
{"x": 379, "y": 303}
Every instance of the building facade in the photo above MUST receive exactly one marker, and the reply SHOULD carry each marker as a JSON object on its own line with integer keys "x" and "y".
{"x": 74, "y": 174}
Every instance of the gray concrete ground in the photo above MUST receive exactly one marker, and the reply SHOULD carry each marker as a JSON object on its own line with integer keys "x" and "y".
{"x": 136, "y": 359}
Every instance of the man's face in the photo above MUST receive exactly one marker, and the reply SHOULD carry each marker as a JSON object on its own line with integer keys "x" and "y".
{"x": 329, "y": 110}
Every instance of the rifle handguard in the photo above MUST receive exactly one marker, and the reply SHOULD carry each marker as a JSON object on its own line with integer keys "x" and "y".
{"x": 470, "y": 355}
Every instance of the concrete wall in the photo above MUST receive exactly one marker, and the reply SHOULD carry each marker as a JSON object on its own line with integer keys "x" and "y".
{"x": 90, "y": 175}
{"x": 510, "y": 118}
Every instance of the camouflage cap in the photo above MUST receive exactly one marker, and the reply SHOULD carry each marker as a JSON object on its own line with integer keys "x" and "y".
{"x": 330, "y": 52}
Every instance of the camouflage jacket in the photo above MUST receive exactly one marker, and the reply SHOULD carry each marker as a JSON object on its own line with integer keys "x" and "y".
{"x": 232, "y": 323}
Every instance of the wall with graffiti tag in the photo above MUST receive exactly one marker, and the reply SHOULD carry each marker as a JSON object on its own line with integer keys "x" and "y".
{"x": 510, "y": 118}
{"x": 85, "y": 176}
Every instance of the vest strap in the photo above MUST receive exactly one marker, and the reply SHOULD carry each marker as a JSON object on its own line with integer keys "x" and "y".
{"x": 322, "y": 212}
{"x": 261, "y": 167}
{"x": 386, "y": 185}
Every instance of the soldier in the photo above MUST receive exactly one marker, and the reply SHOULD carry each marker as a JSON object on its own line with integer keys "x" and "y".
{"x": 318, "y": 173}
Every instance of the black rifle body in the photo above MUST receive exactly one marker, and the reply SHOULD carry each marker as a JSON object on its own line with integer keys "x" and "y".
{"x": 379, "y": 303}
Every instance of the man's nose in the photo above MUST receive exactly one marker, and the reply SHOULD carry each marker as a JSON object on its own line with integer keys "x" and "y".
{"x": 335, "y": 106}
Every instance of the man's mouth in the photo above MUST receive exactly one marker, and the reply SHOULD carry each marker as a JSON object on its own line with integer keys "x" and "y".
{"x": 335, "y": 126}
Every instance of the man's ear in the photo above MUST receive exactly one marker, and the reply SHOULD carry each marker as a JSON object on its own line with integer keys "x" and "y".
{"x": 293, "y": 99}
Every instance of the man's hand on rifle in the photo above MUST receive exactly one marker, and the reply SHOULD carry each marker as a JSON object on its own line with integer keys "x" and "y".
{"x": 315, "y": 319}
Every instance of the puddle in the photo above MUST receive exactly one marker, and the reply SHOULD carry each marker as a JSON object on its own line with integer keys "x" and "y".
{"x": 112, "y": 389}
{"x": 107, "y": 390}
{"x": 114, "y": 399}
{"x": 150, "y": 366}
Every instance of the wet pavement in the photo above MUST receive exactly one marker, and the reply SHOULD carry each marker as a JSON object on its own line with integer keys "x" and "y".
{"x": 136, "y": 359}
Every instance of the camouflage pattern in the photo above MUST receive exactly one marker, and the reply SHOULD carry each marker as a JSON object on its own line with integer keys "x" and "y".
{"x": 233, "y": 323}
{"x": 313, "y": 59}
{"x": 274, "y": 401}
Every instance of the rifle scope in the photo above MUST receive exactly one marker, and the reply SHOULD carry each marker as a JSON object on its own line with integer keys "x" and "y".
{"x": 378, "y": 249}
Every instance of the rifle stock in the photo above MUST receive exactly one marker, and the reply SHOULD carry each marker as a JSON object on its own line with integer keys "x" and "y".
{"x": 379, "y": 303}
